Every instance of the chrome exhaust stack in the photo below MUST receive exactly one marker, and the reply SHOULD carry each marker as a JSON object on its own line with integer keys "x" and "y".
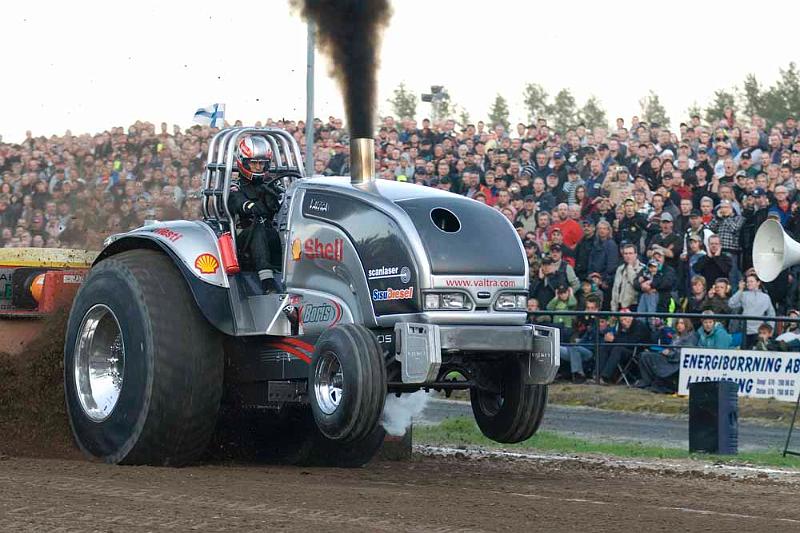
{"x": 362, "y": 160}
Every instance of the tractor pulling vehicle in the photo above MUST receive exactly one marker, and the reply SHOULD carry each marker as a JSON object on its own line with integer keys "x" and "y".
{"x": 389, "y": 288}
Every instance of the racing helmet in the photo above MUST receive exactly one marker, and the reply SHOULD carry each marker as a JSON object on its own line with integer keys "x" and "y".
{"x": 253, "y": 157}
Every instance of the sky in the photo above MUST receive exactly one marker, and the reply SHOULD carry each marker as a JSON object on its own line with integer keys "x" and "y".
{"x": 88, "y": 66}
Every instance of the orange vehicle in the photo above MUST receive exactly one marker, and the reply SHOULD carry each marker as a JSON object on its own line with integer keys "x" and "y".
{"x": 35, "y": 282}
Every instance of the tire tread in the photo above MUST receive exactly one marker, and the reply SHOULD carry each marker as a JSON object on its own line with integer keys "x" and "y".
{"x": 370, "y": 372}
{"x": 188, "y": 364}
{"x": 521, "y": 413}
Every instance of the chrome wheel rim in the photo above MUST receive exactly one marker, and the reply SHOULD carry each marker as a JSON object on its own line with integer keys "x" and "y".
{"x": 99, "y": 363}
{"x": 328, "y": 383}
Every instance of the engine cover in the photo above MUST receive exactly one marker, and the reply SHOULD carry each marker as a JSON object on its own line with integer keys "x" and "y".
{"x": 379, "y": 246}
{"x": 387, "y": 262}
{"x": 481, "y": 245}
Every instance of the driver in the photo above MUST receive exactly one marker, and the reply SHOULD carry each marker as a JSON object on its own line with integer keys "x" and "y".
{"x": 255, "y": 202}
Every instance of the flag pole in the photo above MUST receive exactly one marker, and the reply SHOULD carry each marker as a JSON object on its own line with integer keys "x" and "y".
{"x": 310, "y": 100}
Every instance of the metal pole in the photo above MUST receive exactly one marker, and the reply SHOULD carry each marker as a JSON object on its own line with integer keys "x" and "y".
{"x": 791, "y": 427}
{"x": 310, "y": 99}
{"x": 597, "y": 350}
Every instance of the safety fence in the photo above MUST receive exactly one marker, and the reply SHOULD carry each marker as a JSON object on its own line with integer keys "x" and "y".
{"x": 593, "y": 318}
{"x": 740, "y": 340}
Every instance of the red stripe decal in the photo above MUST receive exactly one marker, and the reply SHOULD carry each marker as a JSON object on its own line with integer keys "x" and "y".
{"x": 297, "y": 353}
{"x": 300, "y": 344}
{"x": 245, "y": 149}
{"x": 338, "y": 314}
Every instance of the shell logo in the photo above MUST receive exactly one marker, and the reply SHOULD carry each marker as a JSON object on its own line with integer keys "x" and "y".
{"x": 206, "y": 264}
{"x": 296, "y": 249}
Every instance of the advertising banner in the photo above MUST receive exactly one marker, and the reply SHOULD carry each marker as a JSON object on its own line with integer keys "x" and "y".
{"x": 758, "y": 374}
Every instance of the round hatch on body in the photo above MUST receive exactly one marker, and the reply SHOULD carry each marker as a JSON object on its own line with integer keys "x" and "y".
{"x": 445, "y": 220}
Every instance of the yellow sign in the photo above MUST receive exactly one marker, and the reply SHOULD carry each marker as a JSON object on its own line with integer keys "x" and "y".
{"x": 46, "y": 258}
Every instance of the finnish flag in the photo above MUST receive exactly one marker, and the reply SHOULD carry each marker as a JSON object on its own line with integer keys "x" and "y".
{"x": 213, "y": 115}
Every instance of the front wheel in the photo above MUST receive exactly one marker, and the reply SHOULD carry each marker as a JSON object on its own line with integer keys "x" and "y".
{"x": 347, "y": 383}
{"x": 315, "y": 449}
{"x": 290, "y": 436}
{"x": 515, "y": 413}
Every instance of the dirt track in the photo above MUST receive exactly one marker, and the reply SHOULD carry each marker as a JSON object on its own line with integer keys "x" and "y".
{"x": 426, "y": 494}
{"x": 52, "y": 489}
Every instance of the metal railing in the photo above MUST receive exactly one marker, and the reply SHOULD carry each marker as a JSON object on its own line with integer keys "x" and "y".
{"x": 597, "y": 315}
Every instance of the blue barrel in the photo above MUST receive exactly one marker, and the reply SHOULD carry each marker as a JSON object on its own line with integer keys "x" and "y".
{"x": 714, "y": 417}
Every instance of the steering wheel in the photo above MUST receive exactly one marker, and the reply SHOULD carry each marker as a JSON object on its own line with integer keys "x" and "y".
{"x": 281, "y": 181}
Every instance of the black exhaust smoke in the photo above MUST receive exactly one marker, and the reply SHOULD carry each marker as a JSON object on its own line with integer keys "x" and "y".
{"x": 349, "y": 32}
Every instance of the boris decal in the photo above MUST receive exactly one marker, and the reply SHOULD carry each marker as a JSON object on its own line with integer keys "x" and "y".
{"x": 326, "y": 314}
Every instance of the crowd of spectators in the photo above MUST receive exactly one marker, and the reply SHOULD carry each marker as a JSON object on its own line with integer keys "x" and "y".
{"x": 634, "y": 217}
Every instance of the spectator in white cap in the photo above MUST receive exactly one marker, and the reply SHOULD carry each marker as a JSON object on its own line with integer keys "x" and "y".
{"x": 781, "y": 206}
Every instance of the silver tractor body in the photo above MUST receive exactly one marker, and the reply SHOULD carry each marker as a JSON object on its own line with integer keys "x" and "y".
{"x": 438, "y": 278}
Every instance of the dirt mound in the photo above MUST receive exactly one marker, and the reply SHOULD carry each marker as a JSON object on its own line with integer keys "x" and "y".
{"x": 33, "y": 417}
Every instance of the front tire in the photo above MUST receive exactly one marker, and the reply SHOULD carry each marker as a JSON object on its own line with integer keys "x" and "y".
{"x": 300, "y": 442}
{"x": 143, "y": 370}
{"x": 353, "y": 454}
{"x": 347, "y": 383}
{"x": 514, "y": 414}
{"x": 291, "y": 436}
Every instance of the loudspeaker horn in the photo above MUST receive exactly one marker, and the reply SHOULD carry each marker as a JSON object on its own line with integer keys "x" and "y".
{"x": 774, "y": 250}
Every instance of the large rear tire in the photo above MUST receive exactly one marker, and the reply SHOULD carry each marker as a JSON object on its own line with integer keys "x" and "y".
{"x": 514, "y": 414}
{"x": 143, "y": 370}
{"x": 347, "y": 383}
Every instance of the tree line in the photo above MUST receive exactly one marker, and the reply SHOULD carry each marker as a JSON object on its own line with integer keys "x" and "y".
{"x": 751, "y": 97}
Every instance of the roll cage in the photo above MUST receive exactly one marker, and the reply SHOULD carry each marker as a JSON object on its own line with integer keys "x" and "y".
{"x": 286, "y": 166}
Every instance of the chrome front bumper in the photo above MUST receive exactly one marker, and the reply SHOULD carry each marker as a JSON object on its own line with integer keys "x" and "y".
{"x": 419, "y": 348}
